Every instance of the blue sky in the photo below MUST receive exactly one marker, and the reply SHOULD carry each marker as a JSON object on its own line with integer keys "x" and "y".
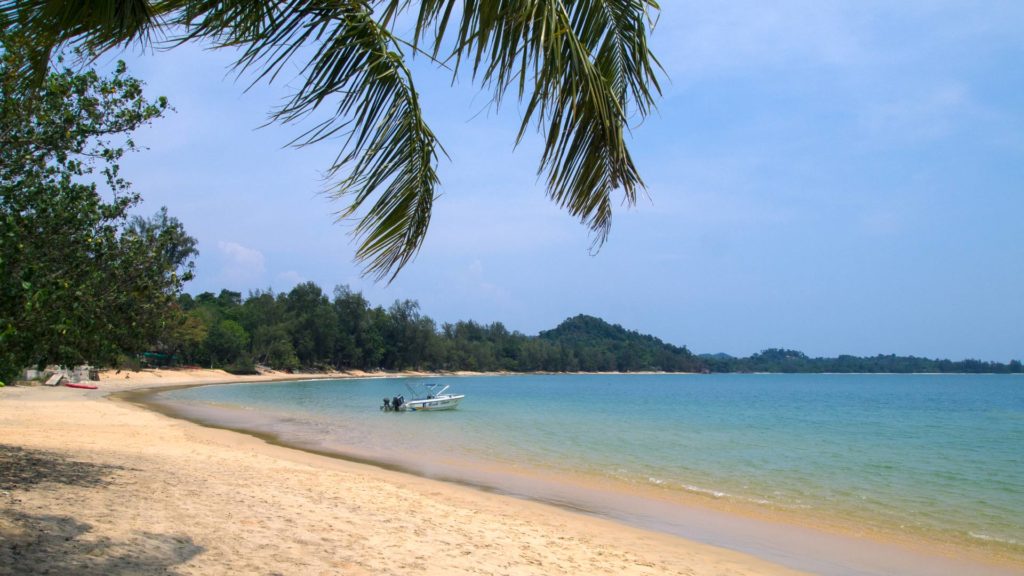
{"x": 835, "y": 177}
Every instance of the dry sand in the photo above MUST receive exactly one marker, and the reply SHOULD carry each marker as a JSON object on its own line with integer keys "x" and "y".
{"x": 92, "y": 486}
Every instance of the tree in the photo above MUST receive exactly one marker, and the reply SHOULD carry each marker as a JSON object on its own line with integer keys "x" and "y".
{"x": 407, "y": 335}
{"x": 581, "y": 69}
{"x": 78, "y": 283}
{"x": 313, "y": 323}
{"x": 353, "y": 314}
{"x": 227, "y": 342}
{"x": 186, "y": 335}
{"x": 177, "y": 248}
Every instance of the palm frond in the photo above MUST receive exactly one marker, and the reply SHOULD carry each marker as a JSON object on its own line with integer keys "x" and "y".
{"x": 96, "y": 25}
{"x": 389, "y": 155}
{"x": 581, "y": 68}
{"x": 389, "y": 150}
{"x": 358, "y": 70}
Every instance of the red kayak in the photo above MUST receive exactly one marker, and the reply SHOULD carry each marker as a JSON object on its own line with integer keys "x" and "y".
{"x": 86, "y": 386}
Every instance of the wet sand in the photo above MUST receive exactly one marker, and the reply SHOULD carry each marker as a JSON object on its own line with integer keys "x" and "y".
{"x": 90, "y": 485}
{"x": 812, "y": 543}
{"x": 93, "y": 486}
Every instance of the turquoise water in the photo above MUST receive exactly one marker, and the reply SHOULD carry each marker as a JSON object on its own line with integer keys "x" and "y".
{"x": 934, "y": 455}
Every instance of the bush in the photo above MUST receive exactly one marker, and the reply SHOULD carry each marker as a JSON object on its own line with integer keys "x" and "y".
{"x": 131, "y": 363}
{"x": 242, "y": 367}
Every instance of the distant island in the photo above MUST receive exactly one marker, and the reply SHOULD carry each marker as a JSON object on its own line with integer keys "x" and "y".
{"x": 305, "y": 329}
{"x": 793, "y": 361}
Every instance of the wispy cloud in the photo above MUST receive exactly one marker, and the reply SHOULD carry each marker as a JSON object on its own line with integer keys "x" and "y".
{"x": 926, "y": 116}
{"x": 289, "y": 279}
{"x": 240, "y": 264}
{"x": 477, "y": 285}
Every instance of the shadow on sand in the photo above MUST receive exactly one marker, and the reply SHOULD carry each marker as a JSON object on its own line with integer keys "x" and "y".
{"x": 24, "y": 468}
{"x": 55, "y": 544}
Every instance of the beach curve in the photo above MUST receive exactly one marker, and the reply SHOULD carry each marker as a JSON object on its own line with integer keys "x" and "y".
{"x": 94, "y": 486}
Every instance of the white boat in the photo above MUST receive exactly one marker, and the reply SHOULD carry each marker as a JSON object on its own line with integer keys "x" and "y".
{"x": 428, "y": 398}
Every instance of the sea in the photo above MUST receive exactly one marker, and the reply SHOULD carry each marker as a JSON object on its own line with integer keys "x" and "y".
{"x": 927, "y": 460}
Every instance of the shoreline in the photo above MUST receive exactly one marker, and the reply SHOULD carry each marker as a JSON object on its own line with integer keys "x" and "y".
{"x": 771, "y": 533}
{"x": 127, "y": 391}
{"x": 90, "y": 485}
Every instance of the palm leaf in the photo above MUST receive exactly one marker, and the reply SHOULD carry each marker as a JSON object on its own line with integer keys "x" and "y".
{"x": 581, "y": 68}
{"x": 96, "y": 25}
{"x": 358, "y": 70}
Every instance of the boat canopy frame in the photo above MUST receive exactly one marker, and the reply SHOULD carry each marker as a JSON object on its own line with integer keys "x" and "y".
{"x": 426, "y": 391}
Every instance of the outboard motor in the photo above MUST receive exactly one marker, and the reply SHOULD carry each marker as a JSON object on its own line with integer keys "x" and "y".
{"x": 396, "y": 403}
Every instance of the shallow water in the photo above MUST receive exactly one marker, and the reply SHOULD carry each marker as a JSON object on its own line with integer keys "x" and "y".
{"x": 934, "y": 456}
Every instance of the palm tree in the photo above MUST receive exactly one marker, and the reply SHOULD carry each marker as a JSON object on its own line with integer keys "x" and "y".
{"x": 582, "y": 69}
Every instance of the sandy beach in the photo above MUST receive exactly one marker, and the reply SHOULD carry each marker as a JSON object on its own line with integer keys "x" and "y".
{"x": 91, "y": 485}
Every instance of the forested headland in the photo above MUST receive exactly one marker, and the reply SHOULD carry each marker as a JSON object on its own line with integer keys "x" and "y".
{"x": 305, "y": 328}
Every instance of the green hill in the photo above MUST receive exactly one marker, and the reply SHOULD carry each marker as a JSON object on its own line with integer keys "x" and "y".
{"x": 596, "y": 345}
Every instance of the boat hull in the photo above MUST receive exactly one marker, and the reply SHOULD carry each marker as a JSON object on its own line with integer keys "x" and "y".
{"x": 434, "y": 404}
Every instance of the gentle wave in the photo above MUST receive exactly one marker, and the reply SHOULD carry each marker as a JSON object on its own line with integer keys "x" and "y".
{"x": 887, "y": 451}
{"x": 990, "y": 538}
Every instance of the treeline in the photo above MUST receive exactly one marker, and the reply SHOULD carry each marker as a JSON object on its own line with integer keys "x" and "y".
{"x": 793, "y": 361}
{"x": 305, "y": 328}
{"x": 310, "y": 330}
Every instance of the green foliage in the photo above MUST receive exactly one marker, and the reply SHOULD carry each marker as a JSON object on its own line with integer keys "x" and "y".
{"x": 304, "y": 329}
{"x": 313, "y": 323}
{"x": 792, "y": 361}
{"x": 227, "y": 342}
{"x": 581, "y": 71}
{"x": 176, "y": 248}
{"x": 243, "y": 366}
{"x": 598, "y": 346}
{"x": 78, "y": 282}
{"x": 126, "y": 362}
{"x": 185, "y": 335}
